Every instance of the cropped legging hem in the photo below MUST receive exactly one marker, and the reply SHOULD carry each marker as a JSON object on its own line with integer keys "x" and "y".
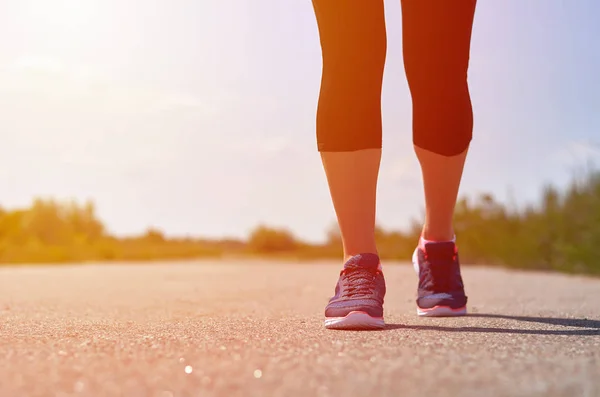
{"x": 436, "y": 39}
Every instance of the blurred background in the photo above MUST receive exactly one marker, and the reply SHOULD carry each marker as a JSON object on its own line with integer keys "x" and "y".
{"x": 160, "y": 129}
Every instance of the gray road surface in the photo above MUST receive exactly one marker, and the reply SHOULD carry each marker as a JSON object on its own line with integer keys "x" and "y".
{"x": 255, "y": 329}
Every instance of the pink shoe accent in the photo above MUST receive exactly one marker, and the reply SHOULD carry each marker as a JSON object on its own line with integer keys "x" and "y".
{"x": 422, "y": 242}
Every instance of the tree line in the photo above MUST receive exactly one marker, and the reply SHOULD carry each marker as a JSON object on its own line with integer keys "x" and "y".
{"x": 561, "y": 232}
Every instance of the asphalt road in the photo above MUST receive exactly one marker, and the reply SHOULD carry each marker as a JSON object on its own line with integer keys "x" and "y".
{"x": 255, "y": 329}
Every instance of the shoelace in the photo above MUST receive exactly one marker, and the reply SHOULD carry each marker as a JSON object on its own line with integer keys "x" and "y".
{"x": 359, "y": 282}
{"x": 438, "y": 274}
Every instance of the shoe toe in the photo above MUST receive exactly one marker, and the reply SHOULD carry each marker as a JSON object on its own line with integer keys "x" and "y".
{"x": 343, "y": 308}
{"x": 453, "y": 301}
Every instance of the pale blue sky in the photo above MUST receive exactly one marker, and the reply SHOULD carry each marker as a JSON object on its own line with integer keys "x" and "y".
{"x": 198, "y": 117}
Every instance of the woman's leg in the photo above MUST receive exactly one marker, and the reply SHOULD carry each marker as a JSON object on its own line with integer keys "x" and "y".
{"x": 353, "y": 42}
{"x": 436, "y": 46}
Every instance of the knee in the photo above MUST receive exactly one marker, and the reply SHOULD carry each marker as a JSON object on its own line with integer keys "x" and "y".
{"x": 446, "y": 143}
{"x": 442, "y": 111}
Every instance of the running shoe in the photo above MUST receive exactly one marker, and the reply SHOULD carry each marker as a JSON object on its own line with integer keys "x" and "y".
{"x": 359, "y": 293}
{"x": 441, "y": 290}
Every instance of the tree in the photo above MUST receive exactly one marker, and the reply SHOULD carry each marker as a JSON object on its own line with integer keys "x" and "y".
{"x": 269, "y": 240}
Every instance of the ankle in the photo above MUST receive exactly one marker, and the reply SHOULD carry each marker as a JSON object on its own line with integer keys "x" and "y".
{"x": 360, "y": 247}
{"x": 438, "y": 235}
{"x": 348, "y": 256}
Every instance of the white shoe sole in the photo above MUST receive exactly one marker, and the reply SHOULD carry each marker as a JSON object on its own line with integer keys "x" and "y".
{"x": 355, "y": 320}
{"x": 442, "y": 311}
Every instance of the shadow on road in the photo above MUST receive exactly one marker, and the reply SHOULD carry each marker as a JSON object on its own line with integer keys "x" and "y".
{"x": 592, "y": 326}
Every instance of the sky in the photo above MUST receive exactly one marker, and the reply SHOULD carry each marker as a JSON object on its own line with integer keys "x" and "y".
{"x": 198, "y": 117}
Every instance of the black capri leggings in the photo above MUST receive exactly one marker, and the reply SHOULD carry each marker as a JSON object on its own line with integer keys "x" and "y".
{"x": 436, "y": 37}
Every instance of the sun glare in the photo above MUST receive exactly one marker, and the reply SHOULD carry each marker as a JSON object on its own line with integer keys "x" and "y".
{"x": 58, "y": 15}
